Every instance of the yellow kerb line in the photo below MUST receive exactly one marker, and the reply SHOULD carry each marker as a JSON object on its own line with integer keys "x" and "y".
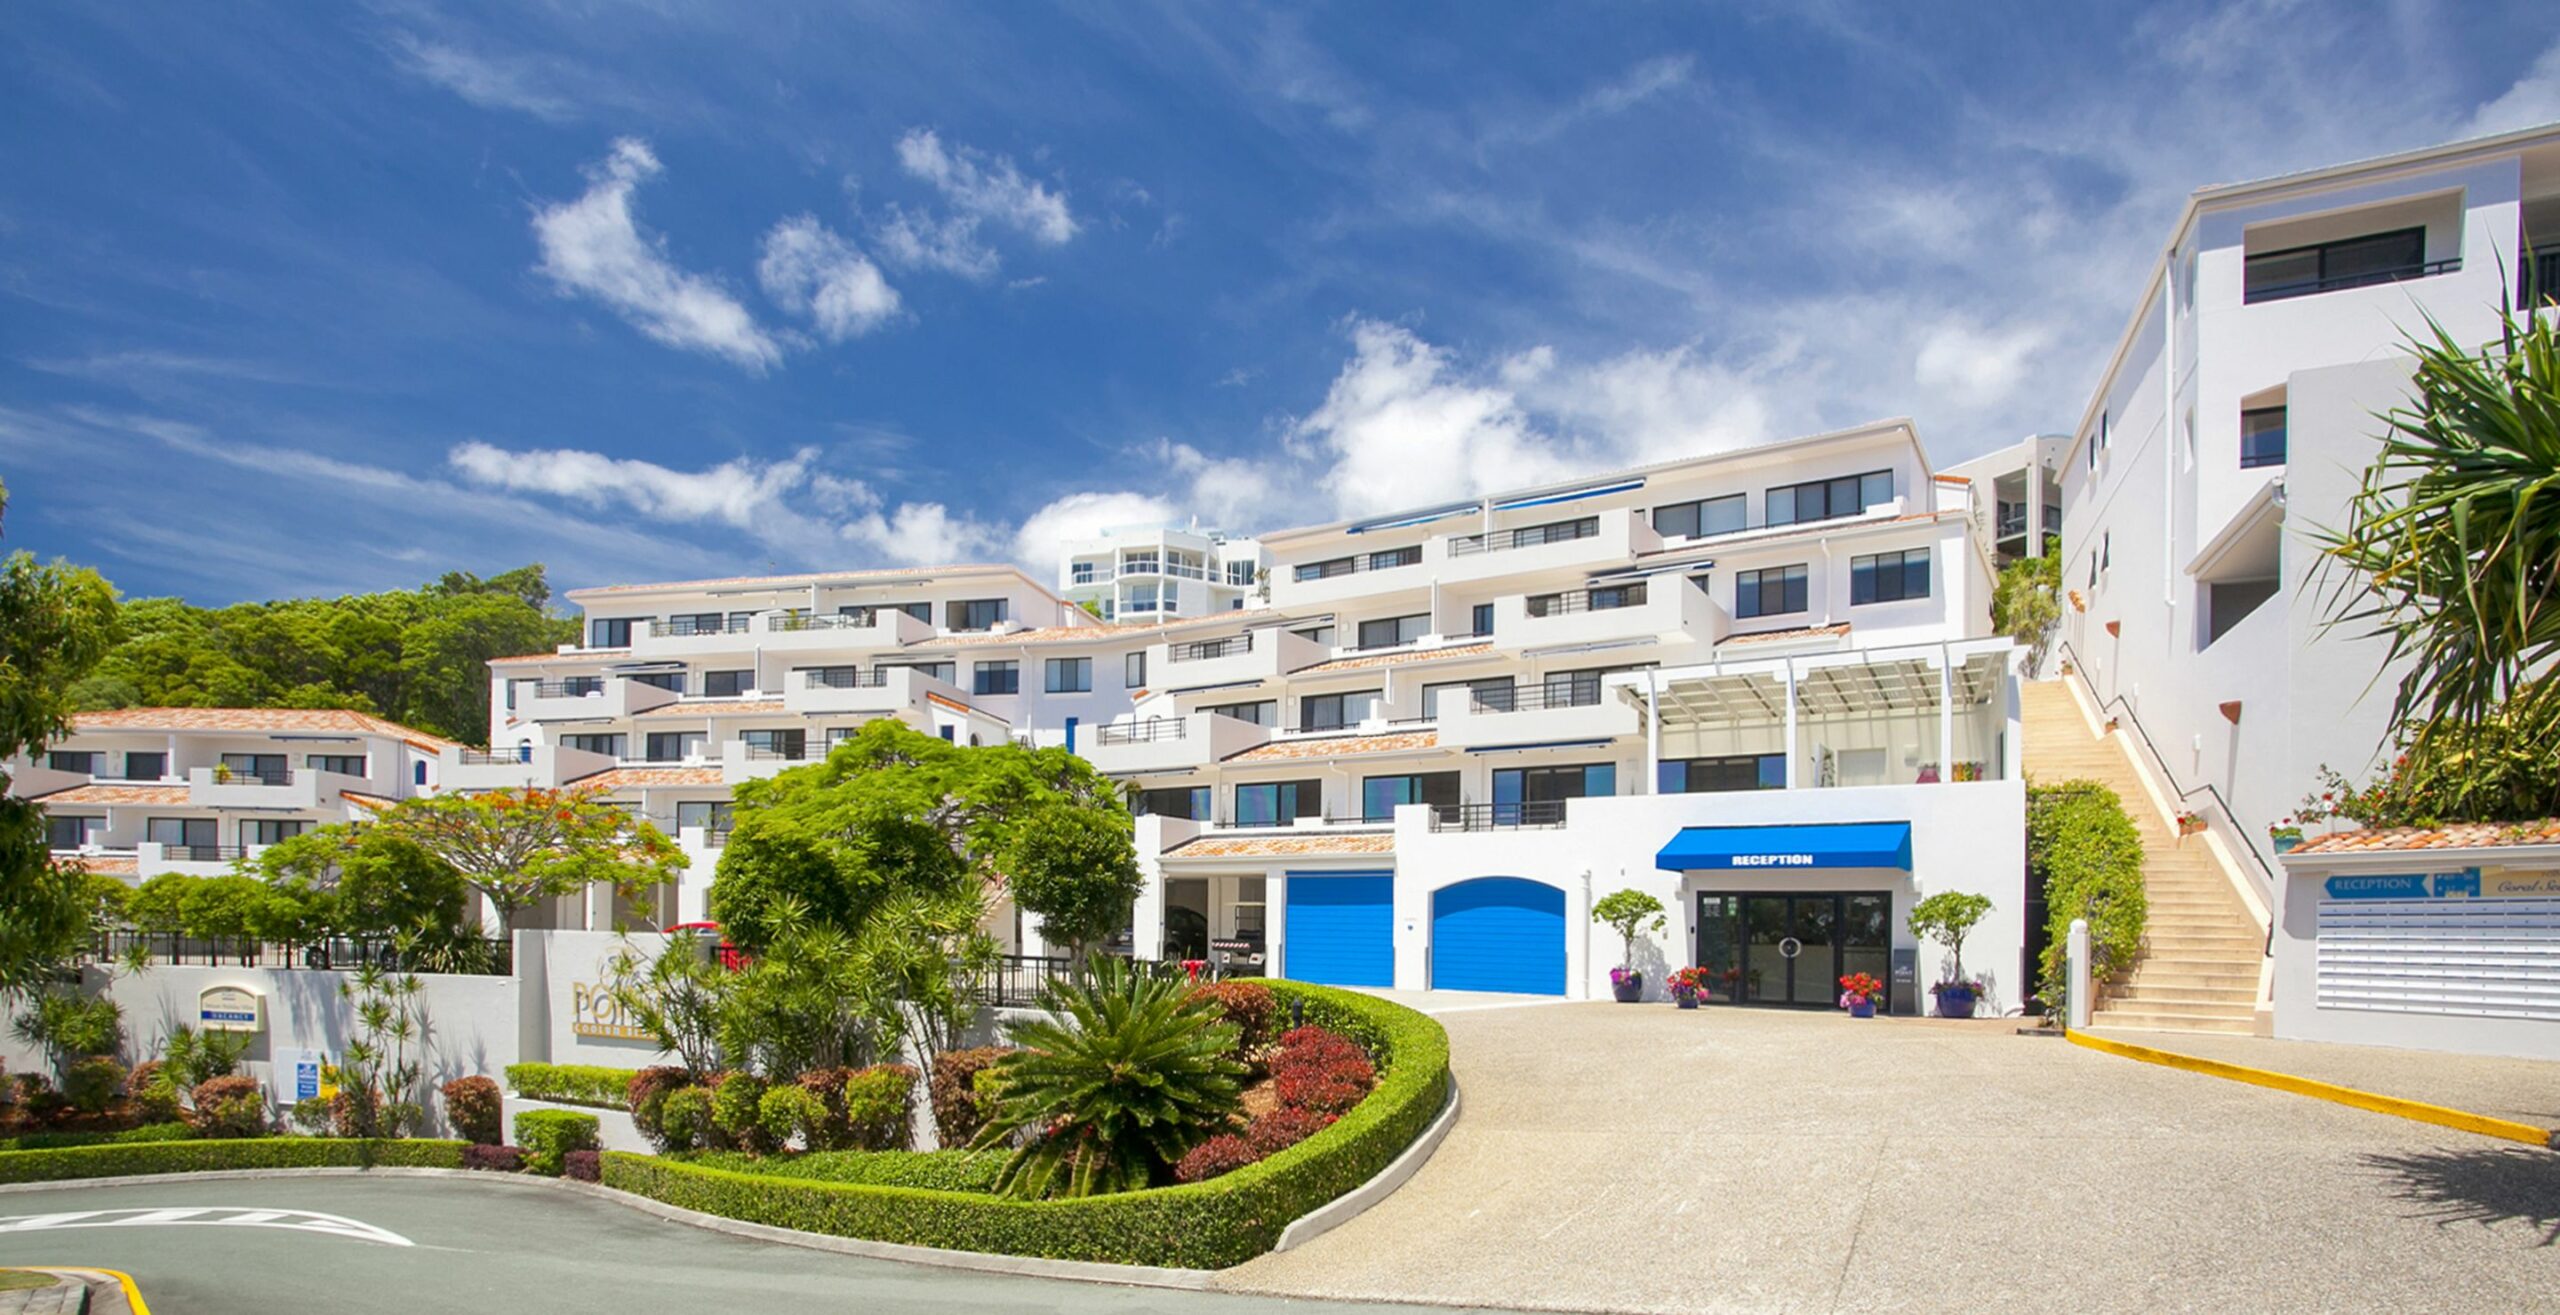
{"x": 2422, "y": 1112}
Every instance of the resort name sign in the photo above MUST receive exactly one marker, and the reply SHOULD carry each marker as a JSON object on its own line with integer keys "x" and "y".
{"x": 595, "y": 1013}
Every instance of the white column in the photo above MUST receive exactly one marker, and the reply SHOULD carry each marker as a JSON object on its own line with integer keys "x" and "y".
{"x": 2035, "y": 501}
{"x": 1275, "y": 926}
{"x": 2077, "y": 947}
{"x": 1652, "y": 731}
{"x": 1946, "y": 716}
{"x": 1793, "y": 749}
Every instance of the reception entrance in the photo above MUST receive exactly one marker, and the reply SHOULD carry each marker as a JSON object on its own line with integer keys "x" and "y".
{"x": 1792, "y": 948}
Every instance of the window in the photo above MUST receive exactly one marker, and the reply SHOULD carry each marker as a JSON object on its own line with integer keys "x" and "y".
{"x": 2262, "y": 437}
{"x": 704, "y": 815}
{"x": 1707, "y": 516}
{"x": 82, "y": 761}
{"x": 614, "y": 633}
{"x": 670, "y": 681}
{"x": 1278, "y": 803}
{"x": 1380, "y": 795}
{"x": 1775, "y": 591}
{"x": 1536, "y": 794}
{"x": 145, "y": 766}
{"x": 1316, "y": 635}
{"x": 344, "y": 764}
{"x": 946, "y": 734}
{"x": 1827, "y": 499}
{"x": 2349, "y": 263}
{"x": 1187, "y": 802}
{"x": 1889, "y": 577}
{"x": 269, "y": 831}
{"x": 997, "y": 678}
{"x": 1263, "y": 713}
{"x": 920, "y": 611}
{"x": 1390, "y": 558}
{"x": 1481, "y": 617}
{"x": 974, "y": 613}
{"x": 1081, "y": 573}
{"x": 1327, "y": 569}
{"x": 1394, "y": 631}
{"x": 1070, "y": 675}
{"x": 267, "y": 768}
{"x": 727, "y": 684}
{"x": 1440, "y": 699}
{"x": 61, "y": 832}
{"x": 1332, "y": 712}
{"x": 1172, "y": 599}
{"x": 791, "y": 745}
{"x": 1133, "y": 670}
{"x": 2226, "y": 603}
{"x": 675, "y": 746}
{"x": 611, "y": 746}
{"x": 181, "y": 832}
{"x": 1749, "y": 771}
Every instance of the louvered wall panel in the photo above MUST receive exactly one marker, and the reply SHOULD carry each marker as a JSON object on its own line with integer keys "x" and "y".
{"x": 2490, "y": 958}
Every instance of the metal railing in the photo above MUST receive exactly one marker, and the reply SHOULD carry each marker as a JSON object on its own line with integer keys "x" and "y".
{"x": 497, "y": 757}
{"x": 225, "y": 774}
{"x": 787, "y": 623}
{"x": 800, "y": 753}
{"x": 1603, "y": 598}
{"x": 1013, "y": 981}
{"x": 491, "y": 956}
{"x": 846, "y": 678}
{"x": 1385, "y": 559}
{"x": 1527, "y": 536}
{"x": 202, "y": 853}
{"x": 2340, "y": 282}
{"x": 1498, "y": 817}
{"x": 1149, "y": 731}
{"x": 1538, "y": 697}
{"x": 716, "y": 839}
{"x": 1204, "y": 649}
{"x": 573, "y": 687}
{"x": 681, "y": 627}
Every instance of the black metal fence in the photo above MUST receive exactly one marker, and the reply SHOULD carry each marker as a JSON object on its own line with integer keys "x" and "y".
{"x": 1599, "y": 598}
{"x": 1205, "y": 649}
{"x": 492, "y": 956}
{"x": 1527, "y": 536}
{"x": 1578, "y": 693}
{"x": 1148, "y": 731}
{"x": 1499, "y": 817}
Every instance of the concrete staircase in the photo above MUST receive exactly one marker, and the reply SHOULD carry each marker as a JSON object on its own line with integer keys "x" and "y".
{"x": 2198, "y": 971}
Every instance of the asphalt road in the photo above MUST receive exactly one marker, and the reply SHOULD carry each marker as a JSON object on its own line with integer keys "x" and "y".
{"x": 428, "y": 1244}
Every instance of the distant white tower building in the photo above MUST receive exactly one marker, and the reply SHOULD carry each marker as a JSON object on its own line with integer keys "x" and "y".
{"x": 1161, "y": 572}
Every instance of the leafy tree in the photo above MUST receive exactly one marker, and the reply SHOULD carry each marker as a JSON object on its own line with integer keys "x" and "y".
{"x": 158, "y": 905}
{"x": 2083, "y": 848}
{"x": 2026, "y": 603}
{"x": 1628, "y": 913}
{"x": 518, "y": 846}
{"x": 676, "y": 997}
{"x": 364, "y": 879}
{"x": 56, "y": 623}
{"x": 1127, "y": 1073}
{"x": 1075, "y": 869}
{"x": 1947, "y": 918}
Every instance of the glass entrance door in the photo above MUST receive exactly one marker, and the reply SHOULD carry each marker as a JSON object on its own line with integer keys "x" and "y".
{"x": 1793, "y": 949}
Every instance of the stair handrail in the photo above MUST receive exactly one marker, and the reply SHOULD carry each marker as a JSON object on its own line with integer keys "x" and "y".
{"x": 2077, "y": 667}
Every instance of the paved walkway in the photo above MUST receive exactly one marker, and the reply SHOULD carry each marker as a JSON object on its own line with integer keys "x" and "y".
{"x": 1642, "y": 1158}
{"x": 2526, "y": 1090}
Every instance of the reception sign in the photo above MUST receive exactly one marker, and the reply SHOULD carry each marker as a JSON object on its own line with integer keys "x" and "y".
{"x": 2469, "y": 883}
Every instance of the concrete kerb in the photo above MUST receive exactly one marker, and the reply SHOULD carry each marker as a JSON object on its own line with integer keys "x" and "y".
{"x": 1348, "y": 1206}
{"x": 2399, "y": 1107}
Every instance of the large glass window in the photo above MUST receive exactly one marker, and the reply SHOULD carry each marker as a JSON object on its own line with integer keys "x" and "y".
{"x": 974, "y": 613}
{"x": 1439, "y": 700}
{"x": 1379, "y": 795}
{"x": 1889, "y": 577}
{"x": 1827, "y": 499}
{"x": 703, "y": 815}
{"x": 1133, "y": 670}
{"x": 2262, "y": 437}
{"x": 1775, "y": 591}
{"x": 62, "y": 831}
{"x": 1188, "y": 802}
{"x": 83, "y": 761}
{"x": 791, "y": 744}
{"x": 1070, "y": 675}
{"x": 1278, "y": 803}
{"x": 997, "y": 678}
{"x": 1537, "y": 794}
{"x": 675, "y": 746}
{"x": 1393, "y": 631}
{"x": 614, "y": 632}
{"x": 1330, "y": 712}
{"x": 183, "y": 832}
{"x": 1481, "y": 618}
{"x": 670, "y": 681}
{"x": 1265, "y": 712}
{"x": 2349, "y": 263}
{"x": 1706, "y": 516}
{"x": 1748, "y": 771}
{"x": 268, "y": 768}
{"x": 269, "y": 831}
{"x": 146, "y": 766}
{"x": 727, "y": 684}
{"x": 611, "y": 746}
{"x": 1322, "y": 635}
{"x": 344, "y": 764}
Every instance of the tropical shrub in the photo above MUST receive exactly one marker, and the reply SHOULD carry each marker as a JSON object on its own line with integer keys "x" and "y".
{"x": 547, "y": 1135}
{"x": 1221, "y": 1154}
{"x": 2026, "y": 602}
{"x": 69, "y": 1027}
{"x": 202, "y": 1155}
{"x": 583, "y": 1166}
{"x": 93, "y": 1083}
{"x": 958, "y": 1110}
{"x": 190, "y": 1058}
{"x": 476, "y": 1109}
{"x": 230, "y": 1107}
{"x": 879, "y": 1107}
{"x": 2083, "y": 848}
{"x": 493, "y": 1157}
{"x": 1321, "y": 1070}
{"x": 645, "y": 1094}
{"x": 381, "y": 1081}
{"x": 1283, "y": 1128}
{"x": 1248, "y": 1005}
{"x": 154, "y": 1096}
{"x": 574, "y": 1084}
{"x": 1947, "y": 918}
{"x": 827, "y": 1084}
{"x": 791, "y": 1109}
{"x": 1127, "y": 1073}
{"x": 737, "y": 1110}
{"x": 684, "y": 1120}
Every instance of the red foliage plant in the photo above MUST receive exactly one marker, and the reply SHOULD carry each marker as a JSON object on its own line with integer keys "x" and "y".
{"x": 1283, "y": 1128}
{"x": 1248, "y": 1005}
{"x": 476, "y": 1108}
{"x": 1321, "y": 1070}
{"x": 1224, "y": 1153}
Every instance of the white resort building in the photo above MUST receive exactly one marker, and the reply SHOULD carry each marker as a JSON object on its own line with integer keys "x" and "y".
{"x": 1156, "y": 572}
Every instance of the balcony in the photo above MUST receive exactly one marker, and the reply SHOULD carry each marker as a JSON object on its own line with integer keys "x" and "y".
{"x": 1607, "y": 538}
{"x": 1352, "y": 575}
{"x": 1533, "y": 814}
{"x": 685, "y": 636}
{"x": 879, "y": 692}
{"x": 1255, "y": 655}
{"x": 220, "y": 787}
{"x": 545, "y": 766}
{"x": 1542, "y": 712}
{"x": 1665, "y": 607}
{"x": 150, "y": 859}
{"x": 741, "y": 761}
{"x": 863, "y": 628}
{"x": 586, "y": 698}
{"x": 1164, "y": 744}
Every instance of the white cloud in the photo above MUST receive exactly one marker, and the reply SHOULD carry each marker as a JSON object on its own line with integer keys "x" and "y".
{"x": 489, "y": 82}
{"x": 1976, "y": 367}
{"x": 593, "y": 247}
{"x": 807, "y": 269}
{"x": 987, "y": 187}
{"x": 1082, "y": 516}
{"x": 922, "y": 534}
{"x": 1400, "y": 426}
{"x": 2534, "y": 99}
{"x": 920, "y": 241}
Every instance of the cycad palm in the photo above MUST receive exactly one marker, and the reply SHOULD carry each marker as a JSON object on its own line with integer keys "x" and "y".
{"x": 1127, "y": 1073}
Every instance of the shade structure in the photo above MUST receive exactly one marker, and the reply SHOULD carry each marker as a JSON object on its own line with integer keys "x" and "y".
{"x": 1806, "y": 845}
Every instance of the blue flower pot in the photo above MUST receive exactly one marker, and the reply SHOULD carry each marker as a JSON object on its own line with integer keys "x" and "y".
{"x": 1629, "y": 988}
{"x": 1685, "y": 999}
{"x": 1955, "y": 1004}
{"x": 1863, "y": 1009}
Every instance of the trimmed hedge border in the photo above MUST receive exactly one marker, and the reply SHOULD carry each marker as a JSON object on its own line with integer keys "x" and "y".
{"x": 116, "y": 1161}
{"x": 1209, "y": 1225}
{"x": 572, "y": 1084}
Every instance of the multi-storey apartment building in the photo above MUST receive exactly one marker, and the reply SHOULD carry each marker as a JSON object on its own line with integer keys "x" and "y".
{"x": 140, "y": 791}
{"x": 2233, "y": 421}
{"x": 1160, "y": 572}
{"x": 2018, "y": 502}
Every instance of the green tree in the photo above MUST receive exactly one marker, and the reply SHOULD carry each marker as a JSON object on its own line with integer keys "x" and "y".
{"x": 1076, "y": 869}
{"x": 1947, "y": 918}
{"x": 2026, "y": 603}
{"x": 2083, "y": 849}
{"x": 518, "y": 846}
{"x": 364, "y": 879}
{"x": 1628, "y": 913}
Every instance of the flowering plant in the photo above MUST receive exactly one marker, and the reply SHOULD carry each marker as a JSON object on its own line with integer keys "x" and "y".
{"x": 1618, "y": 976}
{"x": 1959, "y": 984}
{"x": 1858, "y": 988}
{"x": 2286, "y": 829}
{"x": 1690, "y": 981}
{"x": 2190, "y": 823}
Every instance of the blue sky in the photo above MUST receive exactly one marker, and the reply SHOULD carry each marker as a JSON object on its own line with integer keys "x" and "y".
{"x": 299, "y": 301}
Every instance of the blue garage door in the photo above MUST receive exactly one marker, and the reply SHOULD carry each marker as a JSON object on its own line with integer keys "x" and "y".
{"x": 1340, "y": 929}
{"x": 1498, "y": 934}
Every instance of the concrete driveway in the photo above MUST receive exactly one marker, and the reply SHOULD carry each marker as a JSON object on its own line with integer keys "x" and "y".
{"x": 1641, "y": 1158}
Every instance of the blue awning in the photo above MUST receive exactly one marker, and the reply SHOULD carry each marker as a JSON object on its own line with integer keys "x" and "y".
{"x": 1813, "y": 845}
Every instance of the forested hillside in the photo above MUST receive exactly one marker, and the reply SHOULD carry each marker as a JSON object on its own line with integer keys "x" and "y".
{"x": 417, "y": 657}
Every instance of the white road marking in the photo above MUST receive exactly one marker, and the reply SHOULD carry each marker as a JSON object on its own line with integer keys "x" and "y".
{"x": 298, "y": 1221}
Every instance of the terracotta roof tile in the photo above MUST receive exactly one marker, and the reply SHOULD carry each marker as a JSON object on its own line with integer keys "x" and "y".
{"x": 372, "y": 803}
{"x": 579, "y": 655}
{"x": 1336, "y": 746}
{"x": 282, "y": 720}
{"x": 634, "y": 778}
{"x": 169, "y": 795}
{"x": 1280, "y": 846}
{"x": 105, "y": 865}
{"x": 1364, "y": 662}
{"x": 1781, "y": 636}
{"x": 1952, "y": 479}
{"x": 2463, "y": 835}
{"x": 715, "y": 708}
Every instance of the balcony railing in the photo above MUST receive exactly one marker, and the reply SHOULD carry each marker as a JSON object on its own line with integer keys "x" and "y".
{"x": 717, "y": 838}
{"x": 1014, "y": 981}
{"x": 1385, "y": 559}
{"x": 1604, "y": 599}
{"x": 1499, "y": 817}
{"x": 846, "y": 678}
{"x": 2364, "y": 278}
{"x": 1205, "y": 649}
{"x": 574, "y": 687}
{"x": 497, "y": 757}
{"x": 491, "y": 956}
{"x": 1527, "y": 536}
{"x": 1151, "y": 731}
{"x": 228, "y": 775}
{"x": 202, "y": 853}
{"x": 790, "y": 623}
{"x": 682, "y": 627}
{"x": 788, "y": 753}
{"x": 1538, "y": 697}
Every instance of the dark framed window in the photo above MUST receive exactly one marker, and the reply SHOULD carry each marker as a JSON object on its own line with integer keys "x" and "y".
{"x": 1265, "y": 712}
{"x": 1316, "y": 635}
{"x": 1332, "y": 712}
{"x": 1889, "y": 577}
{"x": 920, "y": 611}
{"x": 792, "y": 744}
{"x": 185, "y": 832}
{"x": 670, "y": 681}
{"x": 2262, "y": 437}
{"x": 62, "y": 831}
{"x": 611, "y": 746}
{"x": 1772, "y": 591}
{"x": 1438, "y": 700}
{"x": 1481, "y": 616}
{"x": 2353, "y": 262}
{"x": 1535, "y": 794}
{"x": 83, "y": 761}
{"x": 1387, "y": 559}
{"x": 1070, "y": 675}
{"x": 1190, "y": 803}
{"x": 1328, "y": 568}
{"x": 974, "y": 613}
{"x": 727, "y": 684}
{"x": 270, "y": 768}
{"x": 1748, "y": 771}
{"x": 1133, "y": 670}
{"x": 1706, "y": 516}
{"x": 614, "y": 632}
{"x": 703, "y": 815}
{"x": 1380, "y": 795}
{"x": 997, "y": 678}
{"x": 344, "y": 764}
{"x": 1827, "y": 499}
{"x": 269, "y": 831}
{"x": 675, "y": 746}
{"x": 146, "y": 766}
{"x": 1394, "y": 631}
{"x": 1278, "y": 803}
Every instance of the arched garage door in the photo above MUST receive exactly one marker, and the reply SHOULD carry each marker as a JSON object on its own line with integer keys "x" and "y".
{"x": 1498, "y": 934}
{"x": 1340, "y": 929}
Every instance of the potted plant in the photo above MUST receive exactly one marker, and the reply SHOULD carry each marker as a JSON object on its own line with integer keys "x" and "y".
{"x": 1858, "y": 992}
{"x": 1947, "y": 917}
{"x": 1628, "y": 913}
{"x": 2286, "y": 834}
{"x": 222, "y": 773}
{"x": 2190, "y": 823}
{"x": 1688, "y": 986}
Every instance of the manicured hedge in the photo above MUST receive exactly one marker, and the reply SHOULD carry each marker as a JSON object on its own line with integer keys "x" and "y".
{"x": 572, "y": 1084}
{"x": 207, "y": 1156}
{"x": 54, "y": 1141}
{"x": 547, "y": 1135}
{"x": 947, "y": 1171}
{"x": 1208, "y": 1225}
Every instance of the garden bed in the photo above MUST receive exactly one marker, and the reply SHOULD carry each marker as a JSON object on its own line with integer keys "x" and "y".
{"x": 208, "y": 1155}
